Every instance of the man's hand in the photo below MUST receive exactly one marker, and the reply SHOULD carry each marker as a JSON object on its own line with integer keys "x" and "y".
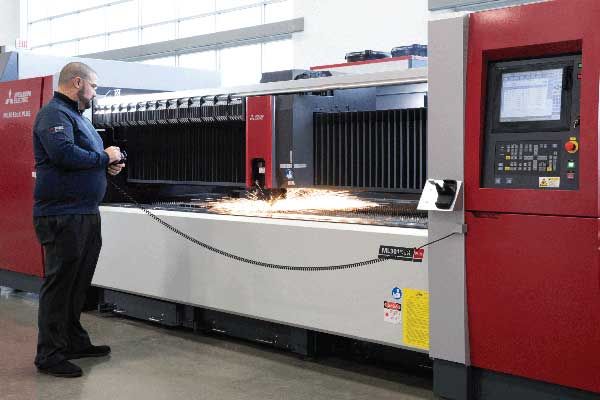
{"x": 114, "y": 154}
{"x": 115, "y": 169}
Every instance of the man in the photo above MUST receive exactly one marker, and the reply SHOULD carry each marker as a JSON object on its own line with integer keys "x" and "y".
{"x": 71, "y": 165}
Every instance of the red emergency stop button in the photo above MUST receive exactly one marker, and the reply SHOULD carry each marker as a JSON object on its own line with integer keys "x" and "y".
{"x": 572, "y": 146}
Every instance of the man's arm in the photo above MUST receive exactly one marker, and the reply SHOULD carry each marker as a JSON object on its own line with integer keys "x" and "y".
{"x": 55, "y": 132}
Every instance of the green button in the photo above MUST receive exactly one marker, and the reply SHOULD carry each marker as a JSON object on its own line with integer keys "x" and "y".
{"x": 580, "y": 65}
{"x": 571, "y": 164}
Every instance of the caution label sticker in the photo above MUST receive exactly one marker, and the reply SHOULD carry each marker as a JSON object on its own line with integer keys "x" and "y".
{"x": 550, "y": 182}
{"x": 392, "y": 312}
{"x": 415, "y": 318}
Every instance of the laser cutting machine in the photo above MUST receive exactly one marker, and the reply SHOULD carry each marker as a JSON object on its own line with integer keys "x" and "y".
{"x": 191, "y": 150}
{"x": 494, "y": 275}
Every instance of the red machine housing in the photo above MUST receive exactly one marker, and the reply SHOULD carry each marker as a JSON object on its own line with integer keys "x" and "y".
{"x": 19, "y": 103}
{"x": 533, "y": 268}
{"x": 260, "y": 137}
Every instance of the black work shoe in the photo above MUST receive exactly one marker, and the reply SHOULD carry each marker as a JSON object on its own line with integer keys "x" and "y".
{"x": 63, "y": 369}
{"x": 92, "y": 351}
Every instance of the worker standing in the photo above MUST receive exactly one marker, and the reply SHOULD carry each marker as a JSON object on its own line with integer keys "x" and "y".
{"x": 71, "y": 165}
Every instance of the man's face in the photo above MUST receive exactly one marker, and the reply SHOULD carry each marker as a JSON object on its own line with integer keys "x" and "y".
{"x": 87, "y": 91}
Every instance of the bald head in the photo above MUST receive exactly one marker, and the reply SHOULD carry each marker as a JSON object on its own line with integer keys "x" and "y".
{"x": 74, "y": 70}
{"x": 78, "y": 82}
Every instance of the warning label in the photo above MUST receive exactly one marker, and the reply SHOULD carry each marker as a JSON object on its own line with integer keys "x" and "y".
{"x": 392, "y": 312}
{"x": 415, "y": 319}
{"x": 549, "y": 182}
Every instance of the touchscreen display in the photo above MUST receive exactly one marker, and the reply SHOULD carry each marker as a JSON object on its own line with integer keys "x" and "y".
{"x": 531, "y": 96}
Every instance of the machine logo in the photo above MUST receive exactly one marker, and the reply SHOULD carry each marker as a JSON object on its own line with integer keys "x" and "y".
{"x": 396, "y": 293}
{"x": 18, "y": 97}
{"x": 257, "y": 117}
{"x": 401, "y": 253}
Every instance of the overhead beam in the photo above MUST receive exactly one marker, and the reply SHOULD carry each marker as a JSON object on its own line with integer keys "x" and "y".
{"x": 231, "y": 38}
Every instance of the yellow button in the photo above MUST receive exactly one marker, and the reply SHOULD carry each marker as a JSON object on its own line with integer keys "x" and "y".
{"x": 549, "y": 169}
{"x": 507, "y": 168}
{"x": 508, "y": 157}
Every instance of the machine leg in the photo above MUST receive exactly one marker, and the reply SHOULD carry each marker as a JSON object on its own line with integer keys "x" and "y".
{"x": 18, "y": 281}
{"x": 451, "y": 380}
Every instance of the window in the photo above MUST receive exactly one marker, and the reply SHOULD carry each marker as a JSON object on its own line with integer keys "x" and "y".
{"x": 158, "y": 33}
{"x": 278, "y": 55}
{"x": 39, "y": 33}
{"x": 92, "y": 45}
{"x": 206, "y": 60}
{"x": 239, "y": 19}
{"x": 123, "y": 39}
{"x": 62, "y": 28}
{"x": 38, "y": 9}
{"x": 122, "y": 16}
{"x": 189, "y": 8}
{"x": 228, "y": 4}
{"x": 197, "y": 26}
{"x": 92, "y": 22}
{"x": 240, "y": 65}
{"x": 154, "y": 11}
{"x": 280, "y": 11}
{"x": 65, "y": 49}
{"x": 71, "y": 28}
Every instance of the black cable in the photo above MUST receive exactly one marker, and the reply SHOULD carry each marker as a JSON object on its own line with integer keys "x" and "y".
{"x": 239, "y": 258}
{"x": 437, "y": 240}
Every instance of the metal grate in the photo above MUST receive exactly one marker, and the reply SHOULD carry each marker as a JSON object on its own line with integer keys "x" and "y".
{"x": 383, "y": 150}
{"x": 190, "y": 153}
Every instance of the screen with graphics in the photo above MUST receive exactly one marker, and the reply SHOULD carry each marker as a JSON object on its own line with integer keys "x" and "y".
{"x": 531, "y": 96}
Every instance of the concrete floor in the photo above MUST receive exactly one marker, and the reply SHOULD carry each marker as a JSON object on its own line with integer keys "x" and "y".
{"x": 152, "y": 362}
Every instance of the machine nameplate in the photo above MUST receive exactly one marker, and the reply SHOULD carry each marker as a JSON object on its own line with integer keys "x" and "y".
{"x": 402, "y": 253}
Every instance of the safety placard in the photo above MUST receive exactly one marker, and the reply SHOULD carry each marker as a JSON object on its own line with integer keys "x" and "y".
{"x": 550, "y": 182}
{"x": 392, "y": 312}
{"x": 415, "y": 318}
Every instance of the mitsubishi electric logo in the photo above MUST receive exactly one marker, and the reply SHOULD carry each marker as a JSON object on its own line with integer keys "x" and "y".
{"x": 18, "y": 97}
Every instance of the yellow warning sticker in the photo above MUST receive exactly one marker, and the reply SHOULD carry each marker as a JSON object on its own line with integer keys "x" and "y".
{"x": 415, "y": 318}
{"x": 549, "y": 182}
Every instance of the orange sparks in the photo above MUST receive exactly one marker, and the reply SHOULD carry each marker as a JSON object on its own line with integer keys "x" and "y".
{"x": 296, "y": 200}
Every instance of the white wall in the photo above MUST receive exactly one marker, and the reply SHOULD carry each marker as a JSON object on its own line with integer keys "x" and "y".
{"x": 9, "y": 22}
{"x": 334, "y": 27}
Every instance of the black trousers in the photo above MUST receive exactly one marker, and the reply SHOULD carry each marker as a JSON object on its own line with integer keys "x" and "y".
{"x": 71, "y": 247}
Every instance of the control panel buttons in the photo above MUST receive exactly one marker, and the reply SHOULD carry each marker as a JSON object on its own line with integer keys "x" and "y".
{"x": 572, "y": 146}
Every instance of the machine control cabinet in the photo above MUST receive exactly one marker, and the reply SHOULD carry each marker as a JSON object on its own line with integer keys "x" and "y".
{"x": 532, "y": 133}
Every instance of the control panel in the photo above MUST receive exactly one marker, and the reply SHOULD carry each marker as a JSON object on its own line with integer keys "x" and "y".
{"x": 532, "y": 137}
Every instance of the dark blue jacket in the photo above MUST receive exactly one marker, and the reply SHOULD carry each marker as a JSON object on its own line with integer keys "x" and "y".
{"x": 70, "y": 161}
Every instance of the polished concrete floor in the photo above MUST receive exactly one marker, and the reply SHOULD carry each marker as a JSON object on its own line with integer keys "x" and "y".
{"x": 151, "y": 362}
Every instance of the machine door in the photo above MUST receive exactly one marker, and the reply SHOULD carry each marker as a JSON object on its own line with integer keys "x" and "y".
{"x": 19, "y": 103}
{"x": 533, "y": 285}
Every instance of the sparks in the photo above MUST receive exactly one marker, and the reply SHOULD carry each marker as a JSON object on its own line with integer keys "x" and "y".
{"x": 296, "y": 200}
